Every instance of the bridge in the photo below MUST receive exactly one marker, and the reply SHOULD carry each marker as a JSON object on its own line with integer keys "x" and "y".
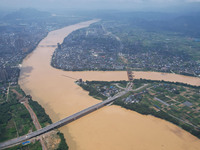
{"x": 64, "y": 121}
{"x": 130, "y": 74}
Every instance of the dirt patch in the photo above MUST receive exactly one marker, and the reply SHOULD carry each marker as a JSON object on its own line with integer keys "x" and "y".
{"x": 52, "y": 140}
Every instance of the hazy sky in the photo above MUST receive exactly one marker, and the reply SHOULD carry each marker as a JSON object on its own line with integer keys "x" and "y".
{"x": 115, "y": 4}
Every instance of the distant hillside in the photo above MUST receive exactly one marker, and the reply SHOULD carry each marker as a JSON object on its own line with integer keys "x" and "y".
{"x": 186, "y": 24}
{"x": 26, "y": 13}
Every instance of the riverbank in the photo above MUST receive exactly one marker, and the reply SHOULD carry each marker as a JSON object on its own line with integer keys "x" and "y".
{"x": 170, "y": 106}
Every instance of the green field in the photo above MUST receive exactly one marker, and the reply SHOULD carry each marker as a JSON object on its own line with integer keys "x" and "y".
{"x": 15, "y": 119}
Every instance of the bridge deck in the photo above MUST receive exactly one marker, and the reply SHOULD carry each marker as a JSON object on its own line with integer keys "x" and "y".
{"x": 61, "y": 122}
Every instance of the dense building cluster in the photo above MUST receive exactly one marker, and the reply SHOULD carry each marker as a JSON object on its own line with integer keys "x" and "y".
{"x": 156, "y": 61}
{"x": 89, "y": 49}
{"x": 95, "y": 48}
{"x": 14, "y": 46}
{"x": 20, "y": 33}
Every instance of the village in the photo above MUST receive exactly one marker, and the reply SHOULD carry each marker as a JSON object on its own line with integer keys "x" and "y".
{"x": 177, "y": 101}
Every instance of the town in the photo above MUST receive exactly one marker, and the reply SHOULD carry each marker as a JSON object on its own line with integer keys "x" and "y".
{"x": 96, "y": 48}
{"x": 88, "y": 49}
{"x": 19, "y": 36}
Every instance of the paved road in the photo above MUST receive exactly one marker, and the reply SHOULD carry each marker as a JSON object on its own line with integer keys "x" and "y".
{"x": 63, "y": 121}
{"x": 140, "y": 88}
{"x": 120, "y": 86}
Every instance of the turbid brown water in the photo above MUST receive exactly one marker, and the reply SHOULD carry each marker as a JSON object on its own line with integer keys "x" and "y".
{"x": 110, "y": 128}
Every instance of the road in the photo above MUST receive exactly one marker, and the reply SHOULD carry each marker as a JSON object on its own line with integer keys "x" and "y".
{"x": 33, "y": 115}
{"x": 35, "y": 122}
{"x": 117, "y": 85}
{"x": 140, "y": 88}
{"x": 64, "y": 121}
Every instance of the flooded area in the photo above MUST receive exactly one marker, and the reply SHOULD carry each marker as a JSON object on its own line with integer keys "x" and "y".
{"x": 109, "y": 128}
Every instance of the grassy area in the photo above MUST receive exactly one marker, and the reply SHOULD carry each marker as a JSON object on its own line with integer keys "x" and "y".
{"x": 2, "y": 98}
{"x": 63, "y": 145}
{"x": 43, "y": 118}
{"x": 31, "y": 146}
{"x": 15, "y": 119}
{"x": 3, "y": 92}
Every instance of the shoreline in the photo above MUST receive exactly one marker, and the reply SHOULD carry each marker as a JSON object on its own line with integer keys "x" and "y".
{"x": 164, "y": 116}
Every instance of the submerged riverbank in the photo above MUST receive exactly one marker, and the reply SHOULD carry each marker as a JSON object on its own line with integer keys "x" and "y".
{"x": 111, "y": 127}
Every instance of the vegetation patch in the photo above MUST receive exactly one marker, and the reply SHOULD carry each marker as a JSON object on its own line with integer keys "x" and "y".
{"x": 32, "y": 146}
{"x": 43, "y": 118}
{"x": 15, "y": 119}
{"x": 63, "y": 145}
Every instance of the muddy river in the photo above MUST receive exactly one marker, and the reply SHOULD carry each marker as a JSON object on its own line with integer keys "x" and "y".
{"x": 109, "y": 128}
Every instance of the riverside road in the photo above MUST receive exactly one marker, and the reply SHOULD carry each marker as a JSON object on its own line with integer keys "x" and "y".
{"x": 63, "y": 121}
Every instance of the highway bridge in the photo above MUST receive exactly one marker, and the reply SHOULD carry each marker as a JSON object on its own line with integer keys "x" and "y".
{"x": 63, "y": 121}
